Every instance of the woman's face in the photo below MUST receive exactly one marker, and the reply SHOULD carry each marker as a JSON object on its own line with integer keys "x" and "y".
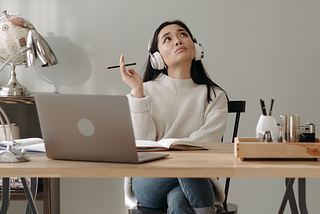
{"x": 175, "y": 45}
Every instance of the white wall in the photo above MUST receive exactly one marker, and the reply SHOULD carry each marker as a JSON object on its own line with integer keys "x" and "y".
{"x": 253, "y": 49}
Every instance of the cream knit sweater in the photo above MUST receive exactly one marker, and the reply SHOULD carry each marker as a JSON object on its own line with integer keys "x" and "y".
{"x": 178, "y": 108}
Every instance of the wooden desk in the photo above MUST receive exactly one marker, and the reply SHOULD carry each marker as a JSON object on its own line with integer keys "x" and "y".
{"x": 218, "y": 161}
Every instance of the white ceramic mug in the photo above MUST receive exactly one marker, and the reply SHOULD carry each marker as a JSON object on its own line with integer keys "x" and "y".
{"x": 267, "y": 124}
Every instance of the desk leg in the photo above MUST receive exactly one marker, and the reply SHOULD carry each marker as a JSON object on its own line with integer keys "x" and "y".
{"x": 34, "y": 188}
{"x": 5, "y": 195}
{"x": 302, "y": 195}
{"x": 51, "y": 203}
{"x": 289, "y": 195}
{"x": 55, "y": 195}
{"x": 31, "y": 201}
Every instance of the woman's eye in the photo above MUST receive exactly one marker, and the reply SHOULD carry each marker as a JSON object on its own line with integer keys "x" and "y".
{"x": 184, "y": 34}
{"x": 166, "y": 40}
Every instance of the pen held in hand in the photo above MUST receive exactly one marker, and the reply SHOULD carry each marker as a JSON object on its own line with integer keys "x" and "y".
{"x": 118, "y": 66}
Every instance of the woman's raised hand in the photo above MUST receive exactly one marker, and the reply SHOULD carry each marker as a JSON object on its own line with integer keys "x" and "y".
{"x": 132, "y": 78}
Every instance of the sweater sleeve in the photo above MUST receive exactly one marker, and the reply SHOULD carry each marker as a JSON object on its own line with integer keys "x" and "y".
{"x": 215, "y": 119}
{"x": 142, "y": 122}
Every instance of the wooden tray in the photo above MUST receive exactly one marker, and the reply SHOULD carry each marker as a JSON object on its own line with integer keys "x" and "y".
{"x": 248, "y": 148}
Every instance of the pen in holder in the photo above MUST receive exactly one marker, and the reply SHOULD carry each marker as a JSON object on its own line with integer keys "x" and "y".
{"x": 10, "y": 155}
{"x": 267, "y": 129}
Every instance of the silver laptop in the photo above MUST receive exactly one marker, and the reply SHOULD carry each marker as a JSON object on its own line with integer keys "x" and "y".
{"x": 89, "y": 128}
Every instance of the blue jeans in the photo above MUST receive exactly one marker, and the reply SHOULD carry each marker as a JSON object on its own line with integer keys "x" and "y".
{"x": 180, "y": 195}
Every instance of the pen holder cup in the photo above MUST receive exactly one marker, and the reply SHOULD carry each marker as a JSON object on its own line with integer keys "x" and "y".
{"x": 289, "y": 130}
{"x": 267, "y": 129}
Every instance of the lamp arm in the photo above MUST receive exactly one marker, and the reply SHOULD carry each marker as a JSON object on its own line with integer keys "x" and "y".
{"x": 14, "y": 56}
{"x": 2, "y": 59}
{"x": 3, "y": 113}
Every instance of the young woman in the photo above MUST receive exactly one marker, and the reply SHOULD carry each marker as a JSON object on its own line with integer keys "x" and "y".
{"x": 175, "y": 99}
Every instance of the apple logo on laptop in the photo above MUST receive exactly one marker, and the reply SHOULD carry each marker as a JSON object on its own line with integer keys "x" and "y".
{"x": 85, "y": 127}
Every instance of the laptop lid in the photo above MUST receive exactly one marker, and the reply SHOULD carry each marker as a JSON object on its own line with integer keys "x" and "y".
{"x": 87, "y": 127}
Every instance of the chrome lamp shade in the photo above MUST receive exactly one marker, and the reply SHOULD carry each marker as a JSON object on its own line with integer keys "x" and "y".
{"x": 39, "y": 52}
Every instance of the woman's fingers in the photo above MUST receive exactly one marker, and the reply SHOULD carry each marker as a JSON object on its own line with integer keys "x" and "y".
{"x": 131, "y": 71}
{"x": 132, "y": 78}
{"x": 122, "y": 66}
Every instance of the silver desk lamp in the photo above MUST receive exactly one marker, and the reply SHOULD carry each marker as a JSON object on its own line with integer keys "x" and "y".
{"x": 27, "y": 47}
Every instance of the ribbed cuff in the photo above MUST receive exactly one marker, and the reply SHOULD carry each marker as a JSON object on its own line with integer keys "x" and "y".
{"x": 138, "y": 104}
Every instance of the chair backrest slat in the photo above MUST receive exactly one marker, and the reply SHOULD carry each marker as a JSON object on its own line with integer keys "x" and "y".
{"x": 237, "y": 107}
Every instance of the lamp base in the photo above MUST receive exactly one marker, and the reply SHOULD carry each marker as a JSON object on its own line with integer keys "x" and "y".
{"x": 13, "y": 88}
{"x": 8, "y": 90}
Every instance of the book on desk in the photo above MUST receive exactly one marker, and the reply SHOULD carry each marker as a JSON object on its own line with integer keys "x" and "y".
{"x": 37, "y": 145}
{"x": 168, "y": 144}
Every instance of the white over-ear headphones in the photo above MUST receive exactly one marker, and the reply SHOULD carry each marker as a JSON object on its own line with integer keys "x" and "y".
{"x": 156, "y": 59}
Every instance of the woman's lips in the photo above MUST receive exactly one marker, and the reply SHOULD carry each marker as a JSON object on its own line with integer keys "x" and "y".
{"x": 180, "y": 49}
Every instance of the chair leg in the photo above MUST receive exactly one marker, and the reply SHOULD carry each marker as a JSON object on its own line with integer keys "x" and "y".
{"x": 226, "y": 190}
{"x": 5, "y": 195}
{"x": 30, "y": 199}
{"x": 34, "y": 188}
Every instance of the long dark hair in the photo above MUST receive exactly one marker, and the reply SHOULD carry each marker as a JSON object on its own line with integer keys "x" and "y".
{"x": 198, "y": 73}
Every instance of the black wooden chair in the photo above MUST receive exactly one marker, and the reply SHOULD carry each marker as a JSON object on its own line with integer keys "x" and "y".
{"x": 236, "y": 107}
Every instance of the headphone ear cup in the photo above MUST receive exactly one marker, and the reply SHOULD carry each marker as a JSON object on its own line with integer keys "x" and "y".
{"x": 156, "y": 61}
{"x": 199, "y": 51}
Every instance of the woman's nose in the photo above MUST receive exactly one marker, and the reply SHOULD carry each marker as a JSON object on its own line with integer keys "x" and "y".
{"x": 178, "y": 42}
